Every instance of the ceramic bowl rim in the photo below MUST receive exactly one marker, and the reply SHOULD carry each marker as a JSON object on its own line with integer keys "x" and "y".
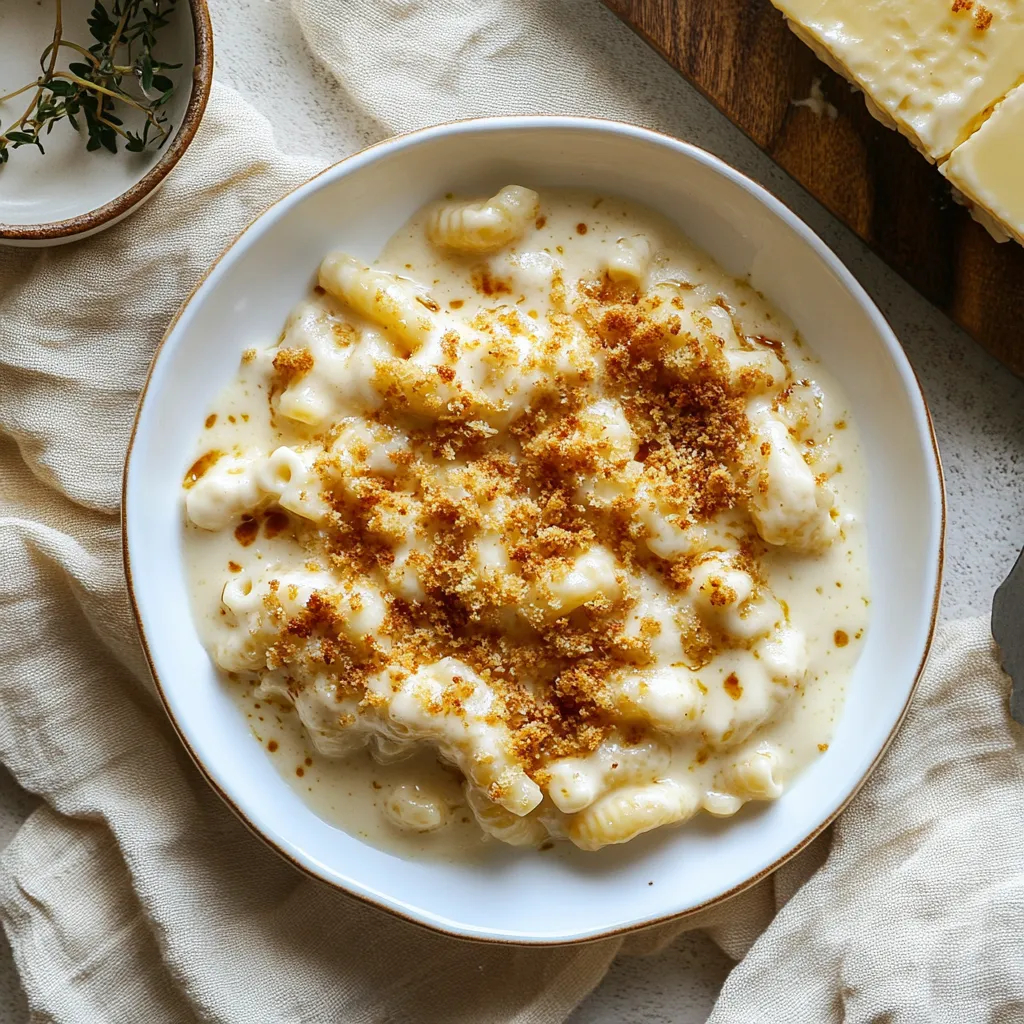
{"x": 120, "y": 206}
{"x": 775, "y": 206}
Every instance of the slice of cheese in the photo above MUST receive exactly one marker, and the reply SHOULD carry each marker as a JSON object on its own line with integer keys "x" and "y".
{"x": 931, "y": 68}
{"x": 989, "y": 168}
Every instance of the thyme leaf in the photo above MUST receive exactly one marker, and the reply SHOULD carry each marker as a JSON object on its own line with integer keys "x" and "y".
{"x": 120, "y": 71}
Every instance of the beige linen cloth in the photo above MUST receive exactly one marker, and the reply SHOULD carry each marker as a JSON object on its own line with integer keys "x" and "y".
{"x": 134, "y": 895}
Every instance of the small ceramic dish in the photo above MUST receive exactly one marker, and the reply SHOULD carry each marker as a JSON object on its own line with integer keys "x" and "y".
{"x": 562, "y": 895}
{"x": 69, "y": 193}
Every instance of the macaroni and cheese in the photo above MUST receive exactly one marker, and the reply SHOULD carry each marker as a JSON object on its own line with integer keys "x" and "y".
{"x": 539, "y": 525}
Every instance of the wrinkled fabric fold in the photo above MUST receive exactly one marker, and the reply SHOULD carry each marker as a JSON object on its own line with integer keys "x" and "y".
{"x": 916, "y": 915}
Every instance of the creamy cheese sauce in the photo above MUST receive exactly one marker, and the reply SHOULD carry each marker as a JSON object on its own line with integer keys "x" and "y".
{"x": 824, "y": 593}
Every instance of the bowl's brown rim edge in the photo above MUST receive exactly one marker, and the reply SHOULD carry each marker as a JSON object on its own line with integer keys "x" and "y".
{"x": 202, "y": 83}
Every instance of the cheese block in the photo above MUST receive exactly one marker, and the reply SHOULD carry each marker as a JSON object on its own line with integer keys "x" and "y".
{"x": 988, "y": 169}
{"x": 931, "y": 68}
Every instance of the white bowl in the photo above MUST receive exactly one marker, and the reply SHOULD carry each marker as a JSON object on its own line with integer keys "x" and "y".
{"x": 68, "y": 193}
{"x": 564, "y": 895}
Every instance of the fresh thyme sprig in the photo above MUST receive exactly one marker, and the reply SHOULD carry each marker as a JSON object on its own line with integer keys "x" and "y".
{"x": 89, "y": 92}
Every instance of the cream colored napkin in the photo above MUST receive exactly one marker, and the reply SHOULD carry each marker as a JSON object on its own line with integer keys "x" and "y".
{"x": 133, "y": 895}
{"x": 918, "y": 913}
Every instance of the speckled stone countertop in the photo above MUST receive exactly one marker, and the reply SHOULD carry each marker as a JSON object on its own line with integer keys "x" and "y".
{"x": 978, "y": 407}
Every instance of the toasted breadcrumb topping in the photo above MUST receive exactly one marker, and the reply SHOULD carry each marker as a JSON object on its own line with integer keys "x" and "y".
{"x": 292, "y": 363}
{"x": 461, "y": 480}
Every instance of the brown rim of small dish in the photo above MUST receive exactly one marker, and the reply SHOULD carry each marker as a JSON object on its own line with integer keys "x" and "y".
{"x": 369, "y": 900}
{"x": 202, "y": 80}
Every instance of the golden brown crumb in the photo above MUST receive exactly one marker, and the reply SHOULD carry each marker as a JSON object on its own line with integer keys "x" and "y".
{"x": 551, "y": 673}
{"x": 982, "y": 19}
{"x": 721, "y": 593}
{"x": 344, "y": 334}
{"x": 732, "y": 686}
{"x": 841, "y": 638}
{"x": 292, "y": 363}
{"x": 246, "y": 531}
{"x": 199, "y": 467}
{"x": 486, "y": 284}
{"x": 210, "y": 420}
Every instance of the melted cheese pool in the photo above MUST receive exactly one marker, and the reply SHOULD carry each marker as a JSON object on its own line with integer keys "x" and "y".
{"x": 538, "y": 528}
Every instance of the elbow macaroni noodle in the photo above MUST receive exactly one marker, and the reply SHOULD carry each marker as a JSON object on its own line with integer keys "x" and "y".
{"x": 483, "y": 227}
{"x": 545, "y": 495}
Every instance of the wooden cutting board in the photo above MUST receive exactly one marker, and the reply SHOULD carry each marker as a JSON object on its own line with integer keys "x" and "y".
{"x": 741, "y": 55}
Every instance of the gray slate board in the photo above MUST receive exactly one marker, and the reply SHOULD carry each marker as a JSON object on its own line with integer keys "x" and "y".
{"x": 1008, "y": 630}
